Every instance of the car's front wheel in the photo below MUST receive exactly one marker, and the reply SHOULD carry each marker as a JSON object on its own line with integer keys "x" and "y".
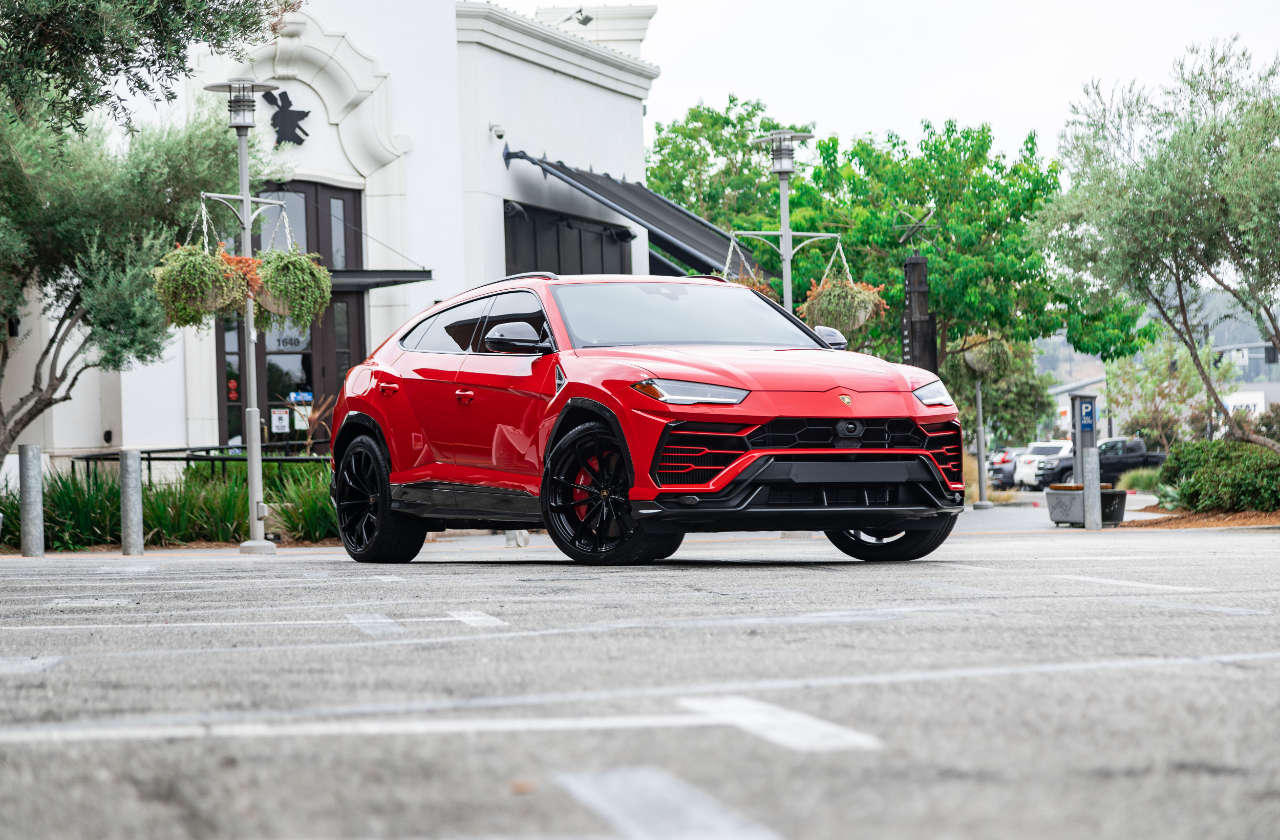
{"x": 371, "y": 531}
{"x": 886, "y": 546}
{"x": 585, "y": 503}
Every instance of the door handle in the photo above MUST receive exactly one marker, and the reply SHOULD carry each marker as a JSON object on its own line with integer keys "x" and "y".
{"x": 464, "y": 397}
{"x": 388, "y": 388}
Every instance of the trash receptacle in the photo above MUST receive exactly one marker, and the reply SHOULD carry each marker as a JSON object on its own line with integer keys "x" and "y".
{"x": 1066, "y": 504}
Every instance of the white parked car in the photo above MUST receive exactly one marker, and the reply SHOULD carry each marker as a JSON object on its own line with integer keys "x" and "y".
{"x": 1024, "y": 474}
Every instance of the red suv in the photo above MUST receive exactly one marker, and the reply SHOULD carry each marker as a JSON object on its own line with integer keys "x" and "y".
{"x": 622, "y": 412}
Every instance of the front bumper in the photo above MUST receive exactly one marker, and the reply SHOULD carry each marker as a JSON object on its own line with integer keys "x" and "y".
{"x": 818, "y": 493}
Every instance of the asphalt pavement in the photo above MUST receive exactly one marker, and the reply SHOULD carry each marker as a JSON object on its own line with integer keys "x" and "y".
{"x": 1020, "y": 682}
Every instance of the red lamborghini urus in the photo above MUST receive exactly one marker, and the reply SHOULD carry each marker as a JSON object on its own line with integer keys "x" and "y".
{"x": 622, "y": 412}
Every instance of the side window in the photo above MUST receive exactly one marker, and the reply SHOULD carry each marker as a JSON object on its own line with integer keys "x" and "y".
{"x": 453, "y": 329}
{"x": 513, "y": 307}
{"x": 1109, "y": 448}
{"x": 1133, "y": 447}
{"x": 413, "y": 338}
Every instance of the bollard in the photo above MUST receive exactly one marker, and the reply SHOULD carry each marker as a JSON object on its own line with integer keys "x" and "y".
{"x": 130, "y": 502}
{"x": 31, "y": 499}
{"x": 1092, "y": 490}
{"x": 517, "y": 539}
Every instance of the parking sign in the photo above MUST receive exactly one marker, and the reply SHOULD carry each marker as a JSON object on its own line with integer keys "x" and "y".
{"x": 1086, "y": 415}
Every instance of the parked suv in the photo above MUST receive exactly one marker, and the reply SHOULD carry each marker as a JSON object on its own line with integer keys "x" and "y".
{"x": 1038, "y": 455}
{"x": 1116, "y": 456}
{"x": 620, "y": 412}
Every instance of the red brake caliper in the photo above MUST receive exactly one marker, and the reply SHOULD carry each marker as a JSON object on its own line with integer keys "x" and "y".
{"x": 583, "y": 479}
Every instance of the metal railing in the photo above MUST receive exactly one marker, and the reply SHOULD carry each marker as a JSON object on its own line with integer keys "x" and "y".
{"x": 213, "y": 455}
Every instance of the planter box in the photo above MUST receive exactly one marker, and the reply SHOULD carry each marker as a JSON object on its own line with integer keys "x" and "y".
{"x": 1067, "y": 506}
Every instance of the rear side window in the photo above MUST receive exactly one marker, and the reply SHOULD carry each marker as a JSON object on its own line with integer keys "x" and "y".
{"x": 451, "y": 331}
{"x": 414, "y": 336}
{"x": 1133, "y": 447}
{"x": 510, "y": 308}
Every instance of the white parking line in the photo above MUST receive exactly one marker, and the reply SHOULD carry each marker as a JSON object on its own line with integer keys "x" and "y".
{"x": 475, "y": 618}
{"x": 90, "y": 602}
{"x": 387, "y": 578}
{"x": 28, "y": 665}
{"x": 315, "y": 575}
{"x": 648, "y": 803}
{"x": 784, "y": 727}
{"x": 1176, "y": 605}
{"x": 166, "y": 625}
{"x": 131, "y": 569}
{"x": 1135, "y": 584}
{"x": 375, "y": 624}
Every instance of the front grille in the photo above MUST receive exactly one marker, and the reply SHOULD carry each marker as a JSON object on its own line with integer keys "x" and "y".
{"x": 695, "y": 457}
{"x": 836, "y": 433}
{"x": 945, "y": 446}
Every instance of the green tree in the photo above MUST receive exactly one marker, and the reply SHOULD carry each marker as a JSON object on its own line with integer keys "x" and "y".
{"x": 81, "y": 226}
{"x": 1173, "y": 194}
{"x": 61, "y": 59}
{"x": 1015, "y": 399}
{"x": 1160, "y": 391}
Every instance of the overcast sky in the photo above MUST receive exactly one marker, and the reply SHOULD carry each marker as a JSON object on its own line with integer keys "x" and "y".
{"x": 855, "y": 67}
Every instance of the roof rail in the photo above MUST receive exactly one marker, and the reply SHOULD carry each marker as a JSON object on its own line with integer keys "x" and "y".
{"x": 546, "y": 275}
{"x": 710, "y": 277}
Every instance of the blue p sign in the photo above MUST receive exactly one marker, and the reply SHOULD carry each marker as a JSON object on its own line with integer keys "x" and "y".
{"x": 1086, "y": 415}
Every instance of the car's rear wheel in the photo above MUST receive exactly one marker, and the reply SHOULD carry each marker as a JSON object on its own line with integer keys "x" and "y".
{"x": 891, "y": 546}
{"x": 371, "y": 532}
{"x": 585, "y": 501}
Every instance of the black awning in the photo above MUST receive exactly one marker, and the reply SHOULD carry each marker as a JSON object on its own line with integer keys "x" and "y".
{"x": 689, "y": 238}
{"x": 352, "y": 280}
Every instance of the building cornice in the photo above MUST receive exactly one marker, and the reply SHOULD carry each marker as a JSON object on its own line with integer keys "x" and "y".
{"x": 538, "y": 43}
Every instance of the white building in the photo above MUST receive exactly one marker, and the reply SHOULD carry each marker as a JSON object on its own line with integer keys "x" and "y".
{"x": 404, "y": 109}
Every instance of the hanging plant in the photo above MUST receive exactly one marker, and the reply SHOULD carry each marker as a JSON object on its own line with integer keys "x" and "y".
{"x": 757, "y": 282}
{"x": 990, "y": 359}
{"x": 294, "y": 290}
{"x": 192, "y": 284}
{"x": 838, "y": 303}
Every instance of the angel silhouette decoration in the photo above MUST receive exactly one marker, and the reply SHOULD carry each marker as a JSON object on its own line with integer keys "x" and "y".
{"x": 286, "y": 121}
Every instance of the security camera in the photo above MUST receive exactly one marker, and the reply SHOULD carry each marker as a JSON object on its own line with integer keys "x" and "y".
{"x": 577, "y": 14}
{"x": 498, "y": 131}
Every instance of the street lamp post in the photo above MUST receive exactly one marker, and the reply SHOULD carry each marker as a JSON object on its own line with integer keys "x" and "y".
{"x": 241, "y": 106}
{"x": 782, "y": 146}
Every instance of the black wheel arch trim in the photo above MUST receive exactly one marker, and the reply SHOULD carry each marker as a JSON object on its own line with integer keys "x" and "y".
{"x": 352, "y": 424}
{"x": 578, "y": 404}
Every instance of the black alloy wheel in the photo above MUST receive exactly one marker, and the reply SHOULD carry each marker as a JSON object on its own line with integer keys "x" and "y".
{"x": 891, "y": 546}
{"x": 371, "y": 532}
{"x": 585, "y": 502}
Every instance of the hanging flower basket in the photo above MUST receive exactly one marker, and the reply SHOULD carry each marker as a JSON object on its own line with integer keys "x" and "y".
{"x": 989, "y": 359}
{"x": 192, "y": 284}
{"x": 294, "y": 290}
{"x": 845, "y": 306}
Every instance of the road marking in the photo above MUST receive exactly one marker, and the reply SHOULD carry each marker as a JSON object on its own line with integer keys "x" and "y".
{"x": 28, "y": 665}
{"x": 1176, "y": 605}
{"x": 475, "y": 618}
{"x": 1135, "y": 584}
{"x": 132, "y": 569}
{"x": 784, "y": 727}
{"x": 375, "y": 624}
{"x": 947, "y": 587}
{"x": 387, "y": 578}
{"x": 950, "y": 565}
{"x": 188, "y": 624}
{"x": 648, "y": 803}
{"x": 90, "y": 602}
{"x": 315, "y": 575}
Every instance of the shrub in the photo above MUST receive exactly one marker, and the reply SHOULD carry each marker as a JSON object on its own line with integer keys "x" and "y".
{"x": 1144, "y": 478}
{"x": 304, "y": 508}
{"x": 1223, "y": 475}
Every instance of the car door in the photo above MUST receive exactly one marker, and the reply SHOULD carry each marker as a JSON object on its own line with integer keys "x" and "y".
{"x": 504, "y": 395}
{"x": 434, "y": 352}
{"x": 1110, "y": 460}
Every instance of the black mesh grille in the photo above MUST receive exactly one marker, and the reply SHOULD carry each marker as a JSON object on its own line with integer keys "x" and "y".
{"x": 944, "y": 444}
{"x": 834, "y": 433}
{"x": 695, "y": 457}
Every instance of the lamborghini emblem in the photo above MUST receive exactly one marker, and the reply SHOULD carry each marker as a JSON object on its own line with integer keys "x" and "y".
{"x": 846, "y": 399}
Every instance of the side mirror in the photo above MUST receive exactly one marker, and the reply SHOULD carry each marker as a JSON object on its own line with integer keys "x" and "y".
{"x": 832, "y": 336}
{"x": 515, "y": 337}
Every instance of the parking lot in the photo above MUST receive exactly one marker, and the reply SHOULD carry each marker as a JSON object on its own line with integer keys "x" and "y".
{"x": 1018, "y": 683}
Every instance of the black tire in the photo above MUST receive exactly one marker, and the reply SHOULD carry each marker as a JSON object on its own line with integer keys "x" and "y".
{"x": 585, "y": 505}
{"x": 891, "y": 546}
{"x": 670, "y": 546}
{"x": 371, "y": 532}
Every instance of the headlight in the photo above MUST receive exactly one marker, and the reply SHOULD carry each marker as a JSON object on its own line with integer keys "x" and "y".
{"x": 689, "y": 393}
{"x": 935, "y": 393}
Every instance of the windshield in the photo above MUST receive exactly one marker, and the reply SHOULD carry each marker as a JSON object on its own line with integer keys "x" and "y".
{"x": 624, "y": 314}
{"x": 1045, "y": 449}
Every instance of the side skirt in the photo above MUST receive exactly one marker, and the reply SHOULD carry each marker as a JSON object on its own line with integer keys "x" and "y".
{"x": 466, "y": 505}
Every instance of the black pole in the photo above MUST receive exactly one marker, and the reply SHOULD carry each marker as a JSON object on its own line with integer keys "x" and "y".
{"x": 919, "y": 326}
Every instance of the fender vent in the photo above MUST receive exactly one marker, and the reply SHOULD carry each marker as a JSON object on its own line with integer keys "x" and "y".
{"x": 695, "y": 457}
{"x": 945, "y": 447}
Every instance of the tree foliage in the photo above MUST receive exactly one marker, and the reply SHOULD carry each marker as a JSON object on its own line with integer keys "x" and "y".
{"x": 83, "y": 226}
{"x": 1174, "y": 193}
{"x": 61, "y": 59}
{"x": 1015, "y": 399}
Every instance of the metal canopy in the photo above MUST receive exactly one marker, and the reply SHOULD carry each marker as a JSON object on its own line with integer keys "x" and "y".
{"x": 352, "y": 280}
{"x": 689, "y": 238}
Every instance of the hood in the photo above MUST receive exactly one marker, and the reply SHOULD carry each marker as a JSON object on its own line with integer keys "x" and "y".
{"x": 764, "y": 368}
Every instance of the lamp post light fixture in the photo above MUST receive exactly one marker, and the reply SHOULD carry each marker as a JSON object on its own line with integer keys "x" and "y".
{"x": 782, "y": 147}
{"x": 240, "y": 106}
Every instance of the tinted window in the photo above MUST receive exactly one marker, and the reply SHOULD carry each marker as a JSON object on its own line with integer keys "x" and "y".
{"x": 453, "y": 329}
{"x": 1133, "y": 447}
{"x": 620, "y": 314}
{"x": 1111, "y": 447}
{"x": 414, "y": 336}
{"x": 1045, "y": 449}
{"x": 511, "y": 308}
